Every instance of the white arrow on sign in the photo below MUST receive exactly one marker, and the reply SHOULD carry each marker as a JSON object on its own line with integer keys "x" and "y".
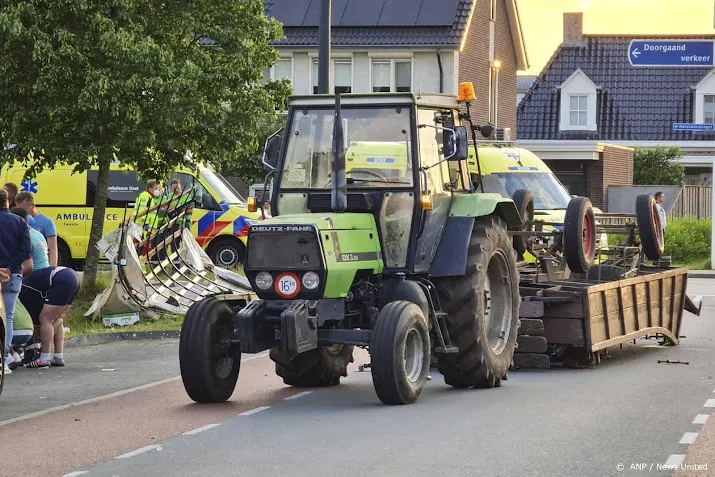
{"x": 636, "y": 53}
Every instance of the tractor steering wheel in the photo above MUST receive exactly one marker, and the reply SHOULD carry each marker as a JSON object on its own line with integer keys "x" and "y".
{"x": 364, "y": 171}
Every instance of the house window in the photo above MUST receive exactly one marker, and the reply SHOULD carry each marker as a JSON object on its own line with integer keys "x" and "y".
{"x": 493, "y": 10}
{"x": 493, "y": 94}
{"x": 709, "y": 109}
{"x": 342, "y": 76}
{"x": 391, "y": 76}
{"x": 283, "y": 69}
{"x": 578, "y": 110}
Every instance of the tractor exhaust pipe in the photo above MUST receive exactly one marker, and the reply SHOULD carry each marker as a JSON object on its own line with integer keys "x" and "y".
{"x": 339, "y": 191}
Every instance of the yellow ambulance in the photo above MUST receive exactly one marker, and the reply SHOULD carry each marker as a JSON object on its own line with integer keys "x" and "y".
{"x": 220, "y": 220}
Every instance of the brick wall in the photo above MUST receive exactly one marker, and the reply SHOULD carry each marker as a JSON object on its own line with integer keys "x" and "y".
{"x": 474, "y": 64}
{"x": 617, "y": 163}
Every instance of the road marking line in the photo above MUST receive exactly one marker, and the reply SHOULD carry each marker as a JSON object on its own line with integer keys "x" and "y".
{"x": 674, "y": 461}
{"x": 701, "y": 419}
{"x": 201, "y": 429}
{"x": 75, "y": 474}
{"x": 296, "y": 396}
{"x": 710, "y": 403}
{"x": 106, "y": 396}
{"x": 689, "y": 438}
{"x": 139, "y": 451}
{"x": 253, "y": 411}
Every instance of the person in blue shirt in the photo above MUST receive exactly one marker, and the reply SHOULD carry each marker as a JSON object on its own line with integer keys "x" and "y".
{"x": 15, "y": 248}
{"x": 42, "y": 223}
{"x": 40, "y": 254}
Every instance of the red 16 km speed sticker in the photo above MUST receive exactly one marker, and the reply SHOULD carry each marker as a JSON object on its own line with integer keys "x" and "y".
{"x": 287, "y": 285}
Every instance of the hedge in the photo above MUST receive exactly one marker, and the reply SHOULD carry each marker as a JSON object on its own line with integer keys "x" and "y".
{"x": 686, "y": 239}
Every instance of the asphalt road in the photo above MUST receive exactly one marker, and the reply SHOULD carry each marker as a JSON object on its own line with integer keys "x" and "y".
{"x": 630, "y": 411}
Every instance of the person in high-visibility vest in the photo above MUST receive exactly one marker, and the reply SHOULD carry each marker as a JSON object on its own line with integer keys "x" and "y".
{"x": 179, "y": 204}
{"x": 148, "y": 199}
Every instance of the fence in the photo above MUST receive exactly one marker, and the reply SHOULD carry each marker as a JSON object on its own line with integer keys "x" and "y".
{"x": 693, "y": 201}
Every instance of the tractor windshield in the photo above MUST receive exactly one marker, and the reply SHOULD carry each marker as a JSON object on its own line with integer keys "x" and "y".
{"x": 377, "y": 148}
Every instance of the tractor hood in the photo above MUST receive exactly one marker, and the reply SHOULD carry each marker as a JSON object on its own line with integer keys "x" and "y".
{"x": 325, "y": 221}
{"x": 335, "y": 246}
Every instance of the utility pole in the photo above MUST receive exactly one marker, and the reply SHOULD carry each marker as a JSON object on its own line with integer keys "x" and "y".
{"x": 324, "y": 51}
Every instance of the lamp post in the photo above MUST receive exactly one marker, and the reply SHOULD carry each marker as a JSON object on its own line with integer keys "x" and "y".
{"x": 324, "y": 50}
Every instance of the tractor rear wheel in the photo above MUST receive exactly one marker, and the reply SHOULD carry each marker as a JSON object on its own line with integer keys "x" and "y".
{"x": 320, "y": 367}
{"x": 208, "y": 359}
{"x": 400, "y": 353}
{"x": 483, "y": 309}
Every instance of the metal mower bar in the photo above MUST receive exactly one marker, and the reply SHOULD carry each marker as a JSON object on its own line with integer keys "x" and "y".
{"x": 144, "y": 279}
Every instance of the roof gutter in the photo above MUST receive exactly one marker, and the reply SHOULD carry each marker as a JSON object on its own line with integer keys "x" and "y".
{"x": 441, "y": 71}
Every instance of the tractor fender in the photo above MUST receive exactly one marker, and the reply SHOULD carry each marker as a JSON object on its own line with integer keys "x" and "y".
{"x": 450, "y": 260}
{"x": 401, "y": 289}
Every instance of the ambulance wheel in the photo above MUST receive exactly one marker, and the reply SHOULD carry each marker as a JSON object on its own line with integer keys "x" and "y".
{"x": 64, "y": 257}
{"x": 227, "y": 252}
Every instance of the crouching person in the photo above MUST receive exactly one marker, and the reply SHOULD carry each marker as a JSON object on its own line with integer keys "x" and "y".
{"x": 48, "y": 294}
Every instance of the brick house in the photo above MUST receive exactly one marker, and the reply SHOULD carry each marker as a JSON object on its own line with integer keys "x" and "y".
{"x": 408, "y": 45}
{"x": 590, "y": 93}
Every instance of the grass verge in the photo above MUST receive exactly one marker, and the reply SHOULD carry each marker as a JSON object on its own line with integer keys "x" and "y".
{"x": 84, "y": 325}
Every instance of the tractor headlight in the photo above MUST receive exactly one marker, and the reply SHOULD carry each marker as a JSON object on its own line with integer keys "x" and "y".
{"x": 264, "y": 280}
{"x": 311, "y": 280}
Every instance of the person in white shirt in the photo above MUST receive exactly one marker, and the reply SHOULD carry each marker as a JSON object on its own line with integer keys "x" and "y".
{"x": 659, "y": 200}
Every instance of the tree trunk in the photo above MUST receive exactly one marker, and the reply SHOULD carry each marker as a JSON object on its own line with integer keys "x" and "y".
{"x": 97, "y": 229}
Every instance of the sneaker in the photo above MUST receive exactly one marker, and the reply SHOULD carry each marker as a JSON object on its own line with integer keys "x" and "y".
{"x": 7, "y": 370}
{"x": 13, "y": 361}
{"x": 38, "y": 363}
{"x": 57, "y": 361}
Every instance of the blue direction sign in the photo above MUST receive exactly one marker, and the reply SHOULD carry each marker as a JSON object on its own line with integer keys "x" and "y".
{"x": 671, "y": 52}
{"x": 693, "y": 127}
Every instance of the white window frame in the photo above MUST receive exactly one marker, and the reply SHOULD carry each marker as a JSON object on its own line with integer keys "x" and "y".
{"x": 493, "y": 10}
{"x": 272, "y": 74}
{"x": 705, "y": 99}
{"x": 393, "y": 71}
{"x": 705, "y": 88}
{"x": 578, "y": 110}
{"x": 313, "y": 57}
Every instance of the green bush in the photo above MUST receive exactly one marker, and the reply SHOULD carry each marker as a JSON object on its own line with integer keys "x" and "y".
{"x": 688, "y": 239}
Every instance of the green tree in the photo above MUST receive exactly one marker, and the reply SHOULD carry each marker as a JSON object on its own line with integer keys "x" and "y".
{"x": 658, "y": 166}
{"x": 249, "y": 165}
{"x": 86, "y": 81}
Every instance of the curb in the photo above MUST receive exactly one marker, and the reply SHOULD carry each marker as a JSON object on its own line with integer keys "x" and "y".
{"x": 103, "y": 338}
{"x": 700, "y": 275}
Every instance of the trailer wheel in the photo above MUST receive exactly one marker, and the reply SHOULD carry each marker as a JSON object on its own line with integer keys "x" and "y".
{"x": 650, "y": 230}
{"x": 524, "y": 201}
{"x": 483, "y": 309}
{"x": 320, "y": 367}
{"x": 400, "y": 353}
{"x": 209, "y": 362}
{"x": 580, "y": 235}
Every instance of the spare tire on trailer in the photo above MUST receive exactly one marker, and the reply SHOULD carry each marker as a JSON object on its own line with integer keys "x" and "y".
{"x": 524, "y": 201}
{"x": 579, "y": 235}
{"x": 650, "y": 230}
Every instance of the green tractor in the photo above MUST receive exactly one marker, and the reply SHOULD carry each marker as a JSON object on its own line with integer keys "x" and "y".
{"x": 408, "y": 264}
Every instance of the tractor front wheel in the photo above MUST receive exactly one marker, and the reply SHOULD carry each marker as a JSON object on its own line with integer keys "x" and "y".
{"x": 320, "y": 367}
{"x": 400, "y": 353}
{"x": 209, "y": 359}
{"x": 483, "y": 310}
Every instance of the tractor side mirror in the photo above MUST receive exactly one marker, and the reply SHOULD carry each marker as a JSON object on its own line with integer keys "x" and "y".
{"x": 270, "y": 152}
{"x": 456, "y": 144}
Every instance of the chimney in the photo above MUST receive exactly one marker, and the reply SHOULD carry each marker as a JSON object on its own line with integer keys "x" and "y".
{"x": 573, "y": 27}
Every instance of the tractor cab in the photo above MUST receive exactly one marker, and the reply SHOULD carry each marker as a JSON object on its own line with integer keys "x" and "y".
{"x": 404, "y": 157}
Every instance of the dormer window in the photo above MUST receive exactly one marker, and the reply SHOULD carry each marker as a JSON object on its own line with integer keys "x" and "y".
{"x": 578, "y": 103}
{"x": 578, "y": 111}
{"x": 705, "y": 100}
